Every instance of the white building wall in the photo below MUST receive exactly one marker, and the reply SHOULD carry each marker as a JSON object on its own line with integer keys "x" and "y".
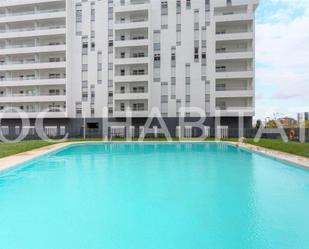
{"x": 230, "y": 88}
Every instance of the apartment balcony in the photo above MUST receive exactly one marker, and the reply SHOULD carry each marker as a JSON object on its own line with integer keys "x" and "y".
{"x": 33, "y": 15}
{"x": 132, "y": 42}
{"x": 229, "y": 106}
{"x": 33, "y": 32}
{"x": 31, "y": 98}
{"x": 241, "y": 68}
{"x": 34, "y": 114}
{"x": 135, "y": 114}
{"x": 235, "y": 111}
{"x": 234, "y": 93}
{"x": 139, "y": 108}
{"x": 236, "y": 30}
{"x": 142, "y": 24}
{"x": 131, "y": 95}
{"x": 31, "y": 48}
{"x": 131, "y": 78}
{"x": 9, "y": 82}
{"x": 131, "y": 60}
{"x": 234, "y": 17}
{"x": 246, "y": 35}
{"x": 11, "y": 66}
{"x": 234, "y": 55}
{"x": 132, "y": 5}
{"x": 12, "y": 3}
{"x": 248, "y": 74}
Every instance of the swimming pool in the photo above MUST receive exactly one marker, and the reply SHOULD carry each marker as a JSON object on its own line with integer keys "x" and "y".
{"x": 154, "y": 196}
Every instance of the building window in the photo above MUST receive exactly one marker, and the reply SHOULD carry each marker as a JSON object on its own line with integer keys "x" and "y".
{"x": 164, "y": 7}
{"x": 99, "y": 61}
{"x": 178, "y": 7}
{"x": 173, "y": 54}
{"x": 157, "y": 60}
{"x": 196, "y": 54}
{"x": 92, "y": 43}
{"x": 78, "y": 109}
{"x": 78, "y": 19}
{"x": 164, "y": 21}
{"x": 157, "y": 57}
{"x": 188, "y": 69}
{"x": 93, "y": 11}
{"x": 207, "y": 6}
{"x": 188, "y": 4}
{"x": 85, "y": 45}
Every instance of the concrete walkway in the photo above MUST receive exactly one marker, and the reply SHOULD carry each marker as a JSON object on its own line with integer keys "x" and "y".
{"x": 290, "y": 158}
{"x": 11, "y": 161}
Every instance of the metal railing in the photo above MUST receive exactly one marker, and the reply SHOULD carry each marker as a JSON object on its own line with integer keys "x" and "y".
{"x": 31, "y": 95}
{"x": 31, "y": 78}
{"x": 13, "y": 130}
{"x": 31, "y": 45}
{"x": 8, "y": 14}
{"x": 21, "y": 62}
{"x": 32, "y": 29}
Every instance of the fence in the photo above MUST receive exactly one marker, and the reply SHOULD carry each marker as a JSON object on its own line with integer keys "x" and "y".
{"x": 56, "y": 132}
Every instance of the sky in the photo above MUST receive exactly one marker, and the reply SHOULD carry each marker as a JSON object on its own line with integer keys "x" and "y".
{"x": 282, "y": 58}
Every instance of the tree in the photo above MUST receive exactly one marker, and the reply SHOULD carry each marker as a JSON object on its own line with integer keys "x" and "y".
{"x": 271, "y": 124}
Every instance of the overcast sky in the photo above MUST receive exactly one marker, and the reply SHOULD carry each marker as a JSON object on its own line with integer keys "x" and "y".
{"x": 282, "y": 57}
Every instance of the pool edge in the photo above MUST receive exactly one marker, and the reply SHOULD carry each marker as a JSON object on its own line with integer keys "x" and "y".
{"x": 24, "y": 157}
{"x": 294, "y": 160}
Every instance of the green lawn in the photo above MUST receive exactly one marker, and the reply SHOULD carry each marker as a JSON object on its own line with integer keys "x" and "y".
{"x": 295, "y": 148}
{"x": 7, "y": 149}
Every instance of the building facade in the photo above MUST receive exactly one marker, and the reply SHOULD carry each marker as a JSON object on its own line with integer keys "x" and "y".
{"x": 74, "y": 58}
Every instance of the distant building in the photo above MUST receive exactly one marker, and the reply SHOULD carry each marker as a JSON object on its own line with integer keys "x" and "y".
{"x": 287, "y": 122}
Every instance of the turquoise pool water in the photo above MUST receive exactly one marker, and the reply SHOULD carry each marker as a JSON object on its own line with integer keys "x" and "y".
{"x": 154, "y": 196}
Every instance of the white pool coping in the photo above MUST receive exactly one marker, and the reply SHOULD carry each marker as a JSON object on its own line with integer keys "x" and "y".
{"x": 298, "y": 161}
{"x": 15, "y": 160}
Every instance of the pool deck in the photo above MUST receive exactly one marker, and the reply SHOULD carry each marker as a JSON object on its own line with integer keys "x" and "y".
{"x": 11, "y": 161}
{"x": 298, "y": 161}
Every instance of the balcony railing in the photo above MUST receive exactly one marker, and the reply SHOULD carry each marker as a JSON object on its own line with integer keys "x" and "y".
{"x": 31, "y": 95}
{"x": 31, "y": 110}
{"x": 132, "y": 20}
{"x": 131, "y": 91}
{"x": 132, "y": 74}
{"x": 228, "y": 70}
{"x": 33, "y": 45}
{"x": 232, "y": 50}
{"x": 31, "y": 12}
{"x": 232, "y": 31}
{"x": 132, "y": 109}
{"x": 133, "y": 38}
{"x": 223, "y": 89}
{"x": 29, "y": 62}
{"x": 32, "y": 29}
{"x": 132, "y": 2}
{"x": 233, "y": 108}
{"x": 30, "y": 78}
{"x": 132, "y": 56}
{"x": 230, "y": 12}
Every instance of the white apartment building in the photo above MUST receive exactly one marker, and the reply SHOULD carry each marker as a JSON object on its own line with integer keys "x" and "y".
{"x": 75, "y": 57}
